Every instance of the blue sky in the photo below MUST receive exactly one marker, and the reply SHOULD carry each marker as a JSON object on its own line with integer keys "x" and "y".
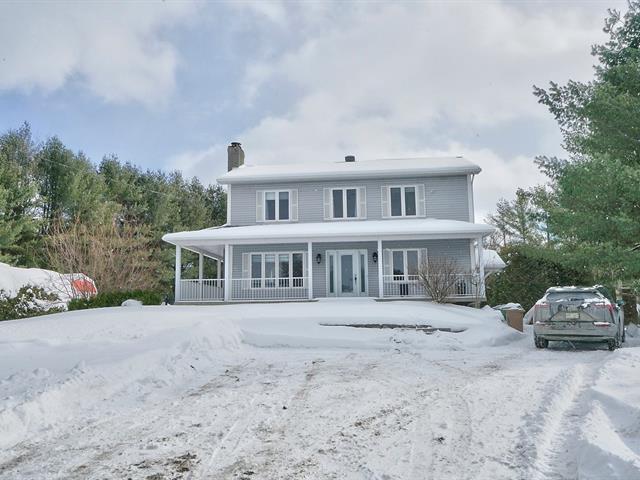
{"x": 169, "y": 84}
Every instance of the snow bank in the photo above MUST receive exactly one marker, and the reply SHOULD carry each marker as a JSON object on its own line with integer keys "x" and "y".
{"x": 64, "y": 286}
{"x": 54, "y": 366}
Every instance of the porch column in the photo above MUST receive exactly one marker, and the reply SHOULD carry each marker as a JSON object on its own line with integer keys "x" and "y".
{"x": 380, "y": 271}
{"x": 310, "y": 270}
{"x": 481, "y": 264}
{"x": 218, "y": 267}
{"x": 178, "y": 272}
{"x": 200, "y": 272}
{"x": 227, "y": 273}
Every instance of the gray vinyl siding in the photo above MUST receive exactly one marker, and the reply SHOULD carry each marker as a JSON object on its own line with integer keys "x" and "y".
{"x": 446, "y": 198}
{"x": 458, "y": 249}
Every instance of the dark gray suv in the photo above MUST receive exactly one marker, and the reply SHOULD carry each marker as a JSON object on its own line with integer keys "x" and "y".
{"x": 578, "y": 314}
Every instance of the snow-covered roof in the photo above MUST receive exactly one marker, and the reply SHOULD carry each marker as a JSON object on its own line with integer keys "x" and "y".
{"x": 492, "y": 260}
{"x": 383, "y": 168}
{"x": 405, "y": 229}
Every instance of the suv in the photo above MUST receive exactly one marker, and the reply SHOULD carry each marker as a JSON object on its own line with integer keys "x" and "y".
{"x": 578, "y": 314}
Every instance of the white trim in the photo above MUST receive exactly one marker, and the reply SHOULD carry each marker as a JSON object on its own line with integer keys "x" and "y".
{"x": 472, "y": 214}
{"x": 277, "y": 205}
{"x": 178, "y": 274}
{"x": 403, "y": 206}
{"x": 200, "y": 266}
{"x": 380, "y": 271}
{"x": 360, "y": 214}
{"x": 310, "y": 269}
{"x": 481, "y": 263}
{"x": 227, "y": 272}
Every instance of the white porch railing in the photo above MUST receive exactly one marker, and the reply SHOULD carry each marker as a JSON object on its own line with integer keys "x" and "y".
{"x": 269, "y": 289}
{"x": 205, "y": 290}
{"x": 465, "y": 286}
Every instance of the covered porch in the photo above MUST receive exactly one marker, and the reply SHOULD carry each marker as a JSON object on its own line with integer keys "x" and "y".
{"x": 301, "y": 262}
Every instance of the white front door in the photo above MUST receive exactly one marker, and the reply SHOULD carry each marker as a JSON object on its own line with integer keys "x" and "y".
{"x": 347, "y": 273}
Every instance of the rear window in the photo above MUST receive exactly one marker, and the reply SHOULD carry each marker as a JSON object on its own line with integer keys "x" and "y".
{"x": 572, "y": 296}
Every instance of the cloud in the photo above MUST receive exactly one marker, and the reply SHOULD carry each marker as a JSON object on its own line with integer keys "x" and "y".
{"x": 402, "y": 79}
{"x": 115, "y": 50}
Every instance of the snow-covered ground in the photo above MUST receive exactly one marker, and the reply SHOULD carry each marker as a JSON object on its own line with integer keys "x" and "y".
{"x": 267, "y": 392}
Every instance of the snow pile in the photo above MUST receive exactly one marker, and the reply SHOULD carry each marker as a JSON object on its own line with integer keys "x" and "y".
{"x": 610, "y": 445}
{"x": 64, "y": 286}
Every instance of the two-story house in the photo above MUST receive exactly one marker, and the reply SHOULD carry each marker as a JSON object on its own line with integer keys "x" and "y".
{"x": 337, "y": 229}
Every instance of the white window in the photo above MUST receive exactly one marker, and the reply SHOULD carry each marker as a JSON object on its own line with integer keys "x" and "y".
{"x": 403, "y": 201}
{"x": 403, "y": 265}
{"x": 277, "y": 205}
{"x": 278, "y": 269}
{"x": 345, "y": 203}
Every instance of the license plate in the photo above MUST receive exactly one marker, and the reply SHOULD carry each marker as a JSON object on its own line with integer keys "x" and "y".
{"x": 572, "y": 315}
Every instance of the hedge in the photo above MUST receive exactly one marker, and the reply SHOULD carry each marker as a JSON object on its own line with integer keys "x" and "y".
{"x": 115, "y": 299}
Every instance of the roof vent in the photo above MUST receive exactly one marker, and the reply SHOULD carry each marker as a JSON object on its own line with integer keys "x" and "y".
{"x": 350, "y": 158}
{"x": 235, "y": 156}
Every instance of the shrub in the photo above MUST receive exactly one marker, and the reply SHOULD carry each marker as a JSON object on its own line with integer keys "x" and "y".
{"x": 115, "y": 299}
{"x": 30, "y": 301}
{"x": 439, "y": 277}
{"x": 529, "y": 272}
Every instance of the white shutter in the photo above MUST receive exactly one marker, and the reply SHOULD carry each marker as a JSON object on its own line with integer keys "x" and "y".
{"x": 293, "y": 205}
{"x": 259, "y": 206}
{"x": 421, "y": 210}
{"x": 386, "y": 262}
{"x": 327, "y": 204}
{"x": 362, "y": 202}
{"x": 386, "y": 213}
{"x": 422, "y": 258}
{"x": 246, "y": 264}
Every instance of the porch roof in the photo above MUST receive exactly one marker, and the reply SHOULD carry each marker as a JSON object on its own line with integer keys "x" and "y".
{"x": 368, "y": 230}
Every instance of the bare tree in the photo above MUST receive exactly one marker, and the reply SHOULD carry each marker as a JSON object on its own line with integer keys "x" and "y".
{"x": 440, "y": 277}
{"x": 116, "y": 258}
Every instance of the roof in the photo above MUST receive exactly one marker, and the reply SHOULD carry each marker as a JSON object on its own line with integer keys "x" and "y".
{"x": 492, "y": 260}
{"x": 383, "y": 168}
{"x": 405, "y": 229}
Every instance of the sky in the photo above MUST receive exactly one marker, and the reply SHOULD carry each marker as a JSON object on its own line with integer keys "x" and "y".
{"x": 168, "y": 84}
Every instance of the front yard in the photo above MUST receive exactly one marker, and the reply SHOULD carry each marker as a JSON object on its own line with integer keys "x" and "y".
{"x": 265, "y": 391}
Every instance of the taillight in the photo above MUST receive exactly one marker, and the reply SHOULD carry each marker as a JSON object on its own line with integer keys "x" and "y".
{"x": 601, "y": 324}
{"x": 541, "y": 305}
{"x": 608, "y": 306}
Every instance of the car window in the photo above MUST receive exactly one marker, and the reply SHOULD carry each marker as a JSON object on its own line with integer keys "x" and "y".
{"x": 557, "y": 296}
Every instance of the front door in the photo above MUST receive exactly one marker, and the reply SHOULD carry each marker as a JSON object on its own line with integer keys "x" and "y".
{"x": 347, "y": 273}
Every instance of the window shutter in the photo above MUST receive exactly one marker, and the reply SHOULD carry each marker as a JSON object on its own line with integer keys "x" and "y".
{"x": 293, "y": 205}
{"x": 386, "y": 262}
{"x": 421, "y": 210}
{"x": 422, "y": 258}
{"x": 327, "y": 204}
{"x": 385, "y": 202}
{"x": 362, "y": 202}
{"x": 246, "y": 262}
{"x": 259, "y": 206}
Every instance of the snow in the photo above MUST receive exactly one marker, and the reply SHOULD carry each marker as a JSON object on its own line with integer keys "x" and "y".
{"x": 330, "y": 231}
{"x": 13, "y": 279}
{"x": 492, "y": 260}
{"x": 266, "y": 391}
{"x": 380, "y": 168}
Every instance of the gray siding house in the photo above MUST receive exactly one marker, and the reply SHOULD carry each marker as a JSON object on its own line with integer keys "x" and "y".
{"x": 337, "y": 229}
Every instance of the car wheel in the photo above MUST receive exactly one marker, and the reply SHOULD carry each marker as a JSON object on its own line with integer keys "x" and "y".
{"x": 611, "y": 343}
{"x": 541, "y": 342}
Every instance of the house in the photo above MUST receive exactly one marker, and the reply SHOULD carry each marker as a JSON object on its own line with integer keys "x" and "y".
{"x": 337, "y": 229}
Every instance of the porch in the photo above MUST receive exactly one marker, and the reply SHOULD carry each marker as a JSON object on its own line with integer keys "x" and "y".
{"x": 287, "y": 269}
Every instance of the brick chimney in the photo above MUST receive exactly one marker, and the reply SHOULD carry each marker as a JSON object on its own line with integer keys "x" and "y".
{"x": 235, "y": 156}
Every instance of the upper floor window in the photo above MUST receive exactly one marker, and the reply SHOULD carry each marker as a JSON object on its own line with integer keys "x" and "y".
{"x": 403, "y": 201}
{"x": 345, "y": 203}
{"x": 276, "y": 205}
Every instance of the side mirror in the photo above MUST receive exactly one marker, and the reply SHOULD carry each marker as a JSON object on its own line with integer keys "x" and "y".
{"x": 620, "y": 302}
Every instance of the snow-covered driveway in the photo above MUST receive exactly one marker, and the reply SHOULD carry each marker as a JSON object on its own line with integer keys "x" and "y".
{"x": 265, "y": 392}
